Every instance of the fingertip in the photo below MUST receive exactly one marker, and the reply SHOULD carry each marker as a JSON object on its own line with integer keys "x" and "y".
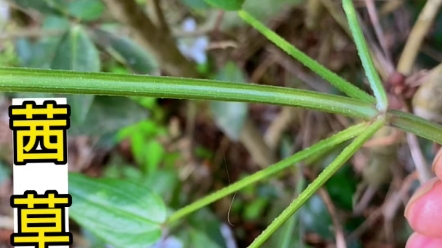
{"x": 417, "y": 240}
{"x": 423, "y": 210}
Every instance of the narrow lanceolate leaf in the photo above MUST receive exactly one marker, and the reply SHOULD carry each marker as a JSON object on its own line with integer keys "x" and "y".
{"x": 322, "y": 178}
{"x": 121, "y": 213}
{"x": 55, "y": 81}
{"x": 317, "y": 149}
{"x": 367, "y": 63}
{"x": 77, "y": 52}
{"x": 227, "y": 4}
{"x": 328, "y": 75}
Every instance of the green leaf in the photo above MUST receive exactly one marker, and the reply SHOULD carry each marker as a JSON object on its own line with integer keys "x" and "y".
{"x": 46, "y": 7}
{"x": 255, "y": 209}
{"x": 40, "y": 53}
{"x": 163, "y": 183}
{"x": 80, "y": 106}
{"x": 271, "y": 170}
{"x": 126, "y": 51}
{"x": 204, "y": 231}
{"x": 78, "y": 53}
{"x": 109, "y": 114}
{"x": 196, "y": 4}
{"x": 54, "y": 22}
{"x": 312, "y": 64}
{"x": 341, "y": 188}
{"x": 322, "y": 178}
{"x": 120, "y": 212}
{"x": 5, "y": 172}
{"x": 230, "y": 116}
{"x": 367, "y": 63}
{"x": 229, "y": 5}
{"x": 315, "y": 217}
{"x": 154, "y": 153}
{"x": 87, "y": 10}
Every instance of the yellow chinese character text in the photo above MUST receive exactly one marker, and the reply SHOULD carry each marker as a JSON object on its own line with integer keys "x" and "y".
{"x": 39, "y": 132}
{"x": 41, "y": 219}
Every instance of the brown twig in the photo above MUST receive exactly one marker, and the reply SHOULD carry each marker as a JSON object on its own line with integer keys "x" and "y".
{"x": 417, "y": 34}
{"x": 159, "y": 43}
{"x": 418, "y": 158}
{"x": 294, "y": 68}
{"x": 162, "y": 23}
{"x": 378, "y": 29}
{"x": 339, "y": 233}
{"x": 29, "y": 33}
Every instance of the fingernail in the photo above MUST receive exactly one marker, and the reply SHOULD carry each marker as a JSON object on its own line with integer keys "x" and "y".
{"x": 420, "y": 192}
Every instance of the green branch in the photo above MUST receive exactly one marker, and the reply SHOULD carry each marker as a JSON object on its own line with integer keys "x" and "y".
{"x": 314, "y": 150}
{"x": 417, "y": 125}
{"x": 328, "y": 172}
{"x": 364, "y": 55}
{"x": 70, "y": 82}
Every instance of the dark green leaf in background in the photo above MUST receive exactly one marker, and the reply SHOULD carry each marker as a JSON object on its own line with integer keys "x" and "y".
{"x": 46, "y": 7}
{"x": 263, "y": 10}
{"x": 203, "y": 231}
{"x": 227, "y": 4}
{"x": 40, "y": 53}
{"x": 77, "y": 52}
{"x": 230, "y": 116}
{"x": 86, "y": 10}
{"x": 126, "y": 51}
{"x": 315, "y": 217}
{"x": 342, "y": 187}
{"x": 122, "y": 213}
{"x": 109, "y": 114}
{"x": 5, "y": 172}
{"x": 196, "y": 4}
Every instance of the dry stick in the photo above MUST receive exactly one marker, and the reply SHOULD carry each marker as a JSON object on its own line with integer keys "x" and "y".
{"x": 378, "y": 29}
{"x": 417, "y": 34}
{"x": 390, "y": 6}
{"x": 418, "y": 158}
{"x": 294, "y": 68}
{"x": 160, "y": 16}
{"x": 29, "y": 33}
{"x": 405, "y": 65}
{"x": 339, "y": 233}
{"x": 160, "y": 44}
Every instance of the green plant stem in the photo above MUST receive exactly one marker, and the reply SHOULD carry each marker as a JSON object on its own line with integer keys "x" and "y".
{"x": 271, "y": 170}
{"x": 70, "y": 82}
{"x": 318, "y": 182}
{"x": 367, "y": 63}
{"x": 417, "y": 125}
{"x": 328, "y": 75}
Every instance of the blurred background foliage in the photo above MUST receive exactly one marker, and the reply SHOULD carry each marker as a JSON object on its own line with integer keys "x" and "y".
{"x": 172, "y": 152}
